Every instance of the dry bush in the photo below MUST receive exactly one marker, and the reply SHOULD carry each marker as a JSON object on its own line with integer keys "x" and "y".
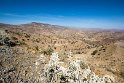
{"x": 94, "y": 52}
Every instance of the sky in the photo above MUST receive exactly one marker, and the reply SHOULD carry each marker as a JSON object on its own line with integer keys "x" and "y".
{"x": 108, "y": 14}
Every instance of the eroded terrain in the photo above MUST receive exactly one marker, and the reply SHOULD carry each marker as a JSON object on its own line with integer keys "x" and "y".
{"x": 26, "y": 51}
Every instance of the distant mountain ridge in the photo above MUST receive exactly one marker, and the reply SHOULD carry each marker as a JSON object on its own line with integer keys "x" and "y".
{"x": 35, "y": 24}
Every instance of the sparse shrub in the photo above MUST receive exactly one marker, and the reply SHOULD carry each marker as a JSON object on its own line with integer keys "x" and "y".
{"x": 94, "y": 52}
{"x": 48, "y": 51}
{"x": 20, "y": 42}
{"x": 7, "y": 41}
{"x": 54, "y": 47}
{"x": 18, "y": 33}
{"x": 63, "y": 57}
{"x": 14, "y": 38}
{"x": 122, "y": 74}
{"x": 37, "y": 48}
{"x": 37, "y": 40}
{"x": 27, "y": 36}
{"x": 1, "y": 43}
{"x": 78, "y": 52}
{"x": 83, "y": 65}
{"x": 23, "y": 39}
{"x": 3, "y": 35}
{"x": 103, "y": 49}
{"x": 99, "y": 54}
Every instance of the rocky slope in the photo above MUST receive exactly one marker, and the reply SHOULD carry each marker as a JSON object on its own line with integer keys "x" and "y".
{"x": 25, "y": 54}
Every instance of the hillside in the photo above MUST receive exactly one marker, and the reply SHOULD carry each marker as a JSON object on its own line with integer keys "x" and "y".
{"x": 26, "y": 49}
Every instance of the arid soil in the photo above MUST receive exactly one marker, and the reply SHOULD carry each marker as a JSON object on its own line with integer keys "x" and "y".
{"x": 22, "y": 47}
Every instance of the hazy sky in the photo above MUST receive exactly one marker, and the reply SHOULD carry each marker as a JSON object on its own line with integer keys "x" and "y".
{"x": 75, "y": 13}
